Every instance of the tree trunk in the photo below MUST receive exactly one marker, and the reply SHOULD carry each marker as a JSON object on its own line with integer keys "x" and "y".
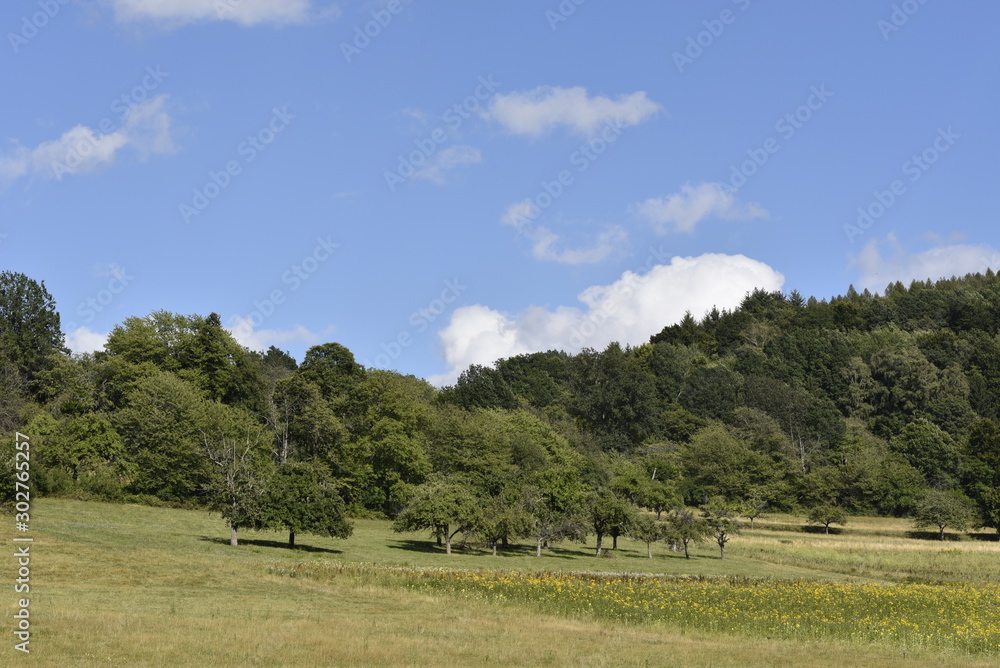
{"x": 649, "y": 550}
{"x": 686, "y": 555}
{"x": 826, "y": 528}
{"x": 538, "y": 547}
{"x": 494, "y": 549}
{"x": 291, "y": 539}
{"x": 722, "y": 550}
{"x": 942, "y": 533}
{"x": 505, "y": 543}
{"x": 614, "y": 541}
{"x": 600, "y": 540}
{"x": 232, "y": 537}
{"x": 751, "y": 524}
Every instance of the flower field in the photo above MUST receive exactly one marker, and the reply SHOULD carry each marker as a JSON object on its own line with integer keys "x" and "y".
{"x": 950, "y": 617}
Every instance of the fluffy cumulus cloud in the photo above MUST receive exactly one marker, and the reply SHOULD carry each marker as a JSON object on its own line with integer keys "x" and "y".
{"x": 447, "y": 160}
{"x": 536, "y": 112}
{"x": 883, "y": 262}
{"x": 243, "y": 12}
{"x": 245, "y": 331}
{"x": 84, "y": 340}
{"x": 80, "y": 150}
{"x": 629, "y": 311}
{"x": 683, "y": 210}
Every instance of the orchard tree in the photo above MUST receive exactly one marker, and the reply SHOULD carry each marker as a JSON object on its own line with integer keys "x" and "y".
{"x": 237, "y": 490}
{"x": 554, "y": 514}
{"x": 648, "y": 529}
{"x": 684, "y": 527}
{"x": 301, "y": 498}
{"x": 720, "y": 515}
{"x": 503, "y": 519}
{"x": 609, "y": 515}
{"x": 446, "y": 508}
{"x": 943, "y": 510}
{"x": 826, "y": 515}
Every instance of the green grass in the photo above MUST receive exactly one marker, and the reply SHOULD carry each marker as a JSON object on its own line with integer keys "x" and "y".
{"x": 136, "y": 586}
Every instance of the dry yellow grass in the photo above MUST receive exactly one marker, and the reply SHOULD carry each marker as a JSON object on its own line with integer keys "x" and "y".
{"x": 134, "y": 586}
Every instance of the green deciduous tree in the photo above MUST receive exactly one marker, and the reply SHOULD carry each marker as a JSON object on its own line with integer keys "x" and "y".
{"x": 685, "y": 527}
{"x": 826, "y": 515}
{"x": 302, "y": 498}
{"x": 647, "y": 529}
{"x": 243, "y": 468}
{"x": 943, "y": 510}
{"x": 609, "y": 515}
{"x": 446, "y": 508}
{"x": 720, "y": 516}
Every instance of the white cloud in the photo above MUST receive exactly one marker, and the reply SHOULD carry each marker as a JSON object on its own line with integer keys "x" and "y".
{"x": 519, "y": 213}
{"x": 876, "y": 271}
{"x": 244, "y": 12}
{"x": 447, "y": 159}
{"x": 244, "y": 331}
{"x": 81, "y": 150}
{"x": 612, "y": 239}
{"x": 629, "y": 311}
{"x": 683, "y": 210}
{"x": 538, "y": 111}
{"x": 84, "y": 340}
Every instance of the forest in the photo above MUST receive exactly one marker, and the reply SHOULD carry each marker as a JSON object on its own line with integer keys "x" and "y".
{"x": 863, "y": 404}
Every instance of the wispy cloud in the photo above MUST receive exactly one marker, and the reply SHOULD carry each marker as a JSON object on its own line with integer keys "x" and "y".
{"x": 82, "y": 150}
{"x": 172, "y": 13}
{"x": 446, "y": 160}
{"x": 683, "y": 210}
{"x": 243, "y": 330}
{"x": 536, "y": 112}
{"x": 610, "y": 240}
{"x": 876, "y": 269}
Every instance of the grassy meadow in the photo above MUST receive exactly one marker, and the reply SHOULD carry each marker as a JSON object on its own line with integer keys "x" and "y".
{"x": 124, "y": 585}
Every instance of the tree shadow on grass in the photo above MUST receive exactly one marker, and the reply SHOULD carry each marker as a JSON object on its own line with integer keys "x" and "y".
{"x": 934, "y": 536}
{"x": 430, "y": 547}
{"x": 818, "y": 528}
{"x": 269, "y": 543}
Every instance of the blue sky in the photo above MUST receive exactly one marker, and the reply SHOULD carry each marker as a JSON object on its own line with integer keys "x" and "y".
{"x": 439, "y": 184}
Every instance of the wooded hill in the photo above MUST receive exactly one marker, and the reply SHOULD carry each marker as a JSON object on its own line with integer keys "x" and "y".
{"x": 864, "y": 403}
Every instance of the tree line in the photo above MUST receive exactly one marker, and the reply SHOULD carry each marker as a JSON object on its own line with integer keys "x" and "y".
{"x": 865, "y": 404}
